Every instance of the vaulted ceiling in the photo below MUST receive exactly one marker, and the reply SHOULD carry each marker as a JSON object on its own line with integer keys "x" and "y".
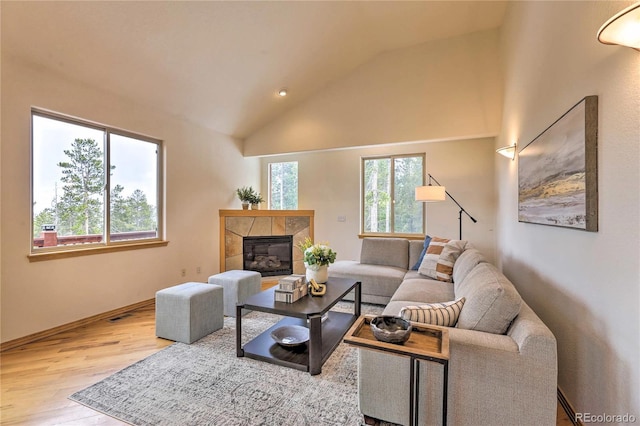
{"x": 220, "y": 63}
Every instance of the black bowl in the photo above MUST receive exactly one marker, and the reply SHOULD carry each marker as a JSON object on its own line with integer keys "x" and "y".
{"x": 391, "y": 329}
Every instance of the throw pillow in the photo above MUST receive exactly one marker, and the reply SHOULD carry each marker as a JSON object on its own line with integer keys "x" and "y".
{"x": 444, "y": 314}
{"x": 440, "y": 257}
{"x": 427, "y": 240}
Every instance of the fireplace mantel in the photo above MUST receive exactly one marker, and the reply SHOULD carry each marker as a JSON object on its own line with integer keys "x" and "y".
{"x": 236, "y": 224}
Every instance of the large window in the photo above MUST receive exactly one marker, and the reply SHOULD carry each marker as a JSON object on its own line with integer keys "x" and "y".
{"x": 283, "y": 186}
{"x": 78, "y": 168}
{"x": 388, "y": 194}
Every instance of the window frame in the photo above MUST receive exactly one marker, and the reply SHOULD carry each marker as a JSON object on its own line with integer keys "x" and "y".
{"x": 106, "y": 245}
{"x": 269, "y": 195}
{"x": 392, "y": 233}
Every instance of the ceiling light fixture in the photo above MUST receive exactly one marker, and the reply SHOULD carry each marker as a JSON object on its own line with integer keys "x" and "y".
{"x": 508, "y": 151}
{"x": 623, "y": 28}
{"x": 282, "y": 92}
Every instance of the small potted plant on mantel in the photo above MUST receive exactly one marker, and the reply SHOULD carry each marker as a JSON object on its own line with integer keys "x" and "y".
{"x": 246, "y": 195}
{"x": 249, "y": 196}
{"x": 256, "y": 200}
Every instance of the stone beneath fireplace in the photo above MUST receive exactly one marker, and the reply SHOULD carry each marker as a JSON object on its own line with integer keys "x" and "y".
{"x": 238, "y": 286}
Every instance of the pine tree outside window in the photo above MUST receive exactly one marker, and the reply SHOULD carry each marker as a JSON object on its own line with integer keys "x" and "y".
{"x": 388, "y": 195}
{"x": 78, "y": 168}
{"x": 283, "y": 186}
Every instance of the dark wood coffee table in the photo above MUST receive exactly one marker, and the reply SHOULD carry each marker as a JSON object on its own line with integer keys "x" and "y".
{"x": 324, "y": 336}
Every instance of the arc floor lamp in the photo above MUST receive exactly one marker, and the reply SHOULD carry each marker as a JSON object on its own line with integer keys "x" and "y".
{"x": 433, "y": 193}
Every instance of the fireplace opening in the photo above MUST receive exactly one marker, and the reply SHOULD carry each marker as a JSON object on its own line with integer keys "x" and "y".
{"x": 270, "y": 255}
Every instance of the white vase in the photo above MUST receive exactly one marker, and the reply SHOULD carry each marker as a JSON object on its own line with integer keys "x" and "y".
{"x": 318, "y": 273}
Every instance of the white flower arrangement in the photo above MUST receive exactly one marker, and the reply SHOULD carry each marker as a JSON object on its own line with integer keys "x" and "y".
{"x": 316, "y": 255}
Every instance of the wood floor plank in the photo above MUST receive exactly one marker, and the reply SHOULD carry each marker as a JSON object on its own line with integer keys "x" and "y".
{"x": 37, "y": 378}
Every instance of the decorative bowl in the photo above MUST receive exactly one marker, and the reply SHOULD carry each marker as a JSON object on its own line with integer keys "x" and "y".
{"x": 290, "y": 335}
{"x": 391, "y": 329}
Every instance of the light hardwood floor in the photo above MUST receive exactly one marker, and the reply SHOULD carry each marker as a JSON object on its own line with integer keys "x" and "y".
{"x": 37, "y": 378}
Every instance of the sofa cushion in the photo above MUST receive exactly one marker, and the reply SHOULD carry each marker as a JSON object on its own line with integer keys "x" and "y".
{"x": 445, "y": 314}
{"x": 423, "y": 290}
{"x": 465, "y": 263}
{"x": 385, "y": 252}
{"x": 440, "y": 257}
{"x": 417, "y": 250}
{"x": 492, "y": 302}
{"x": 376, "y": 280}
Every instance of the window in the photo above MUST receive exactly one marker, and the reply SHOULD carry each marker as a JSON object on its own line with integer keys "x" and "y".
{"x": 283, "y": 186}
{"x": 388, "y": 194}
{"x": 78, "y": 168}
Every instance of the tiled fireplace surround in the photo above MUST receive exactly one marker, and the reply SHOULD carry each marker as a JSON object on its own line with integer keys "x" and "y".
{"x": 236, "y": 224}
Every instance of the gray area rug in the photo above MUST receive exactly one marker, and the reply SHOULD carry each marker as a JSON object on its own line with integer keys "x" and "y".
{"x": 206, "y": 384}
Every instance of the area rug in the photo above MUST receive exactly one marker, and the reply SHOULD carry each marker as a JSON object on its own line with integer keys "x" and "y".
{"x": 206, "y": 384}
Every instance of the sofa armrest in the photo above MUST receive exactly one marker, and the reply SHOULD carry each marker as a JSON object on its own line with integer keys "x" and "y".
{"x": 533, "y": 337}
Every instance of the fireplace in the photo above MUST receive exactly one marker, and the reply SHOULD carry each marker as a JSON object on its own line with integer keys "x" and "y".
{"x": 269, "y": 255}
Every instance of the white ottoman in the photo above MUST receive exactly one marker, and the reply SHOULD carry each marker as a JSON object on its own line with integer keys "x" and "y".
{"x": 189, "y": 311}
{"x": 238, "y": 285}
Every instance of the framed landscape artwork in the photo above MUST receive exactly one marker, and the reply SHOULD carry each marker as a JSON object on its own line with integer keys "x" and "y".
{"x": 557, "y": 171}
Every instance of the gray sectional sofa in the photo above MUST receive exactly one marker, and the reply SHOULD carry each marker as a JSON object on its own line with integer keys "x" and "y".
{"x": 503, "y": 359}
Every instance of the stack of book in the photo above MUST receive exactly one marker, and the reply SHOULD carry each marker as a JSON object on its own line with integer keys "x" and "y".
{"x": 291, "y": 288}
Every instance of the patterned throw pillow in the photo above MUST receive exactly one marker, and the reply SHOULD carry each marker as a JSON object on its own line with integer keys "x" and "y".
{"x": 440, "y": 257}
{"x": 444, "y": 314}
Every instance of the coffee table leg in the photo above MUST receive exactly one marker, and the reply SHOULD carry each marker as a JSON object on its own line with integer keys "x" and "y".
{"x": 356, "y": 307}
{"x": 239, "y": 350}
{"x": 315, "y": 345}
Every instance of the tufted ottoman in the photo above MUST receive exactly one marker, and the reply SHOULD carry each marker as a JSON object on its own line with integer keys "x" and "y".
{"x": 238, "y": 285}
{"x": 189, "y": 311}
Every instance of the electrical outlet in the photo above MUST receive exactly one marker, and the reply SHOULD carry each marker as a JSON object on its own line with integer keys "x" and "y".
{"x": 183, "y": 272}
{"x": 342, "y": 218}
{"x": 198, "y": 270}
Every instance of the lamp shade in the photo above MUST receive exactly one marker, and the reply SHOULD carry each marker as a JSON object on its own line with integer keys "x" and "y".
{"x": 623, "y": 28}
{"x": 430, "y": 193}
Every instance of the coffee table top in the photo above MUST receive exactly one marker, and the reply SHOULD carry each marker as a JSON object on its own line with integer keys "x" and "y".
{"x": 305, "y": 307}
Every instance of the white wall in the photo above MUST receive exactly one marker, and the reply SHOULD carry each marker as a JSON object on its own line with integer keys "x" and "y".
{"x": 329, "y": 183}
{"x": 585, "y": 286}
{"x": 445, "y": 89}
{"x": 203, "y": 168}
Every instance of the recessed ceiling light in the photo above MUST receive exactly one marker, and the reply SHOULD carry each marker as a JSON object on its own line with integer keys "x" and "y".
{"x": 282, "y": 92}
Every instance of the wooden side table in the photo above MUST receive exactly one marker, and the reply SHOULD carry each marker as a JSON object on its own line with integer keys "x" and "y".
{"x": 427, "y": 343}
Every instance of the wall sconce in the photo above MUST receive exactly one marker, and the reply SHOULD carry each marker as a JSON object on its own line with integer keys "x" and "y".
{"x": 508, "y": 151}
{"x": 623, "y": 28}
{"x": 433, "y": 193}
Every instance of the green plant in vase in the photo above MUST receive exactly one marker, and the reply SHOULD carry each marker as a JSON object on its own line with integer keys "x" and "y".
{"x": 256, "y": 199}
{"x": 317, "y": 258}
{"x": 246, "y": 195}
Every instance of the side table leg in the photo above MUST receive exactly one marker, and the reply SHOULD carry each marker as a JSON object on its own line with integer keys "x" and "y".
{"x": 444, "y": 391}
{"x": 412, "y": 390}
{"x": 315, "y": 345}
{"x": 417, "y": 403}
{"x": 357, "y": 302}
{"x": 239, "y": 350}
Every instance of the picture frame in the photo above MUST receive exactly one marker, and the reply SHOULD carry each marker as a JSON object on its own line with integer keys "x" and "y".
{"x": 558, "y": 171}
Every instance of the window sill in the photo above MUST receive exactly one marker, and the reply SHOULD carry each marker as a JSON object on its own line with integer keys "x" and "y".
{"x": 407, "y": 236}
{"x": 63, "y": 254}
